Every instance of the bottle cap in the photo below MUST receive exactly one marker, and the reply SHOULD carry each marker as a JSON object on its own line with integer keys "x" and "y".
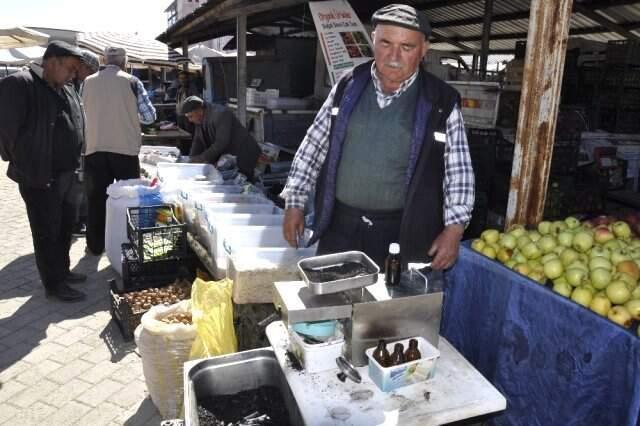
{"x": 394, "y": 248}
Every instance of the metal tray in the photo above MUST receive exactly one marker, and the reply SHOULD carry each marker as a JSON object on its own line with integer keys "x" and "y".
{"x": 325, "y": 261}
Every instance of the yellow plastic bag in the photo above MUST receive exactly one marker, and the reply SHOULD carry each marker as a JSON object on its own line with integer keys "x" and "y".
{"x": 212, "y": 314}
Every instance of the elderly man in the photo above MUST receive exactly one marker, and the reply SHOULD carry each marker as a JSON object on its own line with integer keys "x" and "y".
{"x": 387, "y": 155}
{"x": 39, "y": 137}
{"x": 218, "y": 131}
{"x": 115, "y": 103}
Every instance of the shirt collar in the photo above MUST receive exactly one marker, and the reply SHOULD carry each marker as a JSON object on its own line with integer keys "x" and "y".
{"x": 403, "y": 86}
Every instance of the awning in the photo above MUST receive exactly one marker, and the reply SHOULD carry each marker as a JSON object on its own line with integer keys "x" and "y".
{"x": 20, "y": 56}
{"x": 21, "y": 37}
{"x": 139, "y": 51}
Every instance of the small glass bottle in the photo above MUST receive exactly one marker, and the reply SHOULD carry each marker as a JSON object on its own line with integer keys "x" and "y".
{"x": 393, "y": 266}
{"x": 412, "y": 352}
{"x": 397, "y": 357}
{"x": 381, "y": 354}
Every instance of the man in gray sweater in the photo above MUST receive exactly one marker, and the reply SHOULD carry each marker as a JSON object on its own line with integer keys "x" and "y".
{"x": 218, "y": 131}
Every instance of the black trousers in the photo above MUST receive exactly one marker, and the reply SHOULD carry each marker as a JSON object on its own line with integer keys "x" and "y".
{"x": 100, "y": 170}
{"x": 51, "y": 214}
{"x": 366, "y": 231}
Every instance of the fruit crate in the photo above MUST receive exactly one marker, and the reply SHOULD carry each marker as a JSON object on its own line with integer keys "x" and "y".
{"x": 127, "y": 317}
{"x": 155, "y": 233}
{"x": 623, "y": 52}
{"x": 137, "y": 275}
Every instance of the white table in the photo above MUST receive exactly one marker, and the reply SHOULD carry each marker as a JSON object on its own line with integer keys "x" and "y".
{"x": 457, "y": 392}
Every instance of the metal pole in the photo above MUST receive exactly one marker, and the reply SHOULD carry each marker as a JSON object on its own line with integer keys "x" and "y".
{"x": 486, "y": 33}
{"x": 474, "y": 65}
{"x": 185, "y": 54}
{"x": 241, "y": 77}
{"x": 539, "y": 99}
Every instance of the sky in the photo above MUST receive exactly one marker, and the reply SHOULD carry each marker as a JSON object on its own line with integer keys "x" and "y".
{"x": 145, "y": 17}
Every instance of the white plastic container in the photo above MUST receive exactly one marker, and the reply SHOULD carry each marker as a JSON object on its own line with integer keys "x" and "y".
{"x": 213, "y": 221}
{"x": 421, "y": 370}
{"x": 254, "y": 270}
{"x": 177, "y": 172}
{"x": 234, "y": 238}
{"x": 203, "y": 200}
{"x": 187, "y": 196}
{"x": 317, "y": 357}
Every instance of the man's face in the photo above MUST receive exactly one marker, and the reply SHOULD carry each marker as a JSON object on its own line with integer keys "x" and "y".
{"x": 84, "y": 71}
{"x": 196, "y": 116}
{"x": 398, "y": 52}
{"x": 60, "y": 71}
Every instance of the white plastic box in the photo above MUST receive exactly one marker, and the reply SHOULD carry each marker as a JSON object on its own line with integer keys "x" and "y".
{"x": 318, "y": 357}
{"x": 215, "y": 220}
{"x": 203, "y": 200}
{"x": 409, "y": 373}
{"x": 177, "y": 172}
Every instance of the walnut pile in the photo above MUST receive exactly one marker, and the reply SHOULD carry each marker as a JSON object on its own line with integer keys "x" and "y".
{"x": 177, "y": 318}
{"x": 143, "y": 300}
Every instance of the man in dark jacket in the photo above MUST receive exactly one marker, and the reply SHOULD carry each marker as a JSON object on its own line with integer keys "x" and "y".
{"x": 39, "y": 136}
{"x": 217, "y": 132}
{"x": 387, "y": 155}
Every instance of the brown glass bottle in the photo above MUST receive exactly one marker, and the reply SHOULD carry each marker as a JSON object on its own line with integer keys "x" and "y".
{"x": 381, "y": 354}
{"x": 393, "y": 266}
{"x": 397, "y": 357}
{"x": 412, "y": 352}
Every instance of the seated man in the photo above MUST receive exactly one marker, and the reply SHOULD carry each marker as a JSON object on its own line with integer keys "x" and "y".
{"x": 217, "y": 132}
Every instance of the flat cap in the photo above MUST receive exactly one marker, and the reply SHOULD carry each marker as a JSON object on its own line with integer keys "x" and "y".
{"x": 192, "y": 103}
{"x": 112, "y": 51}
{"x": 402, "y": 15}
{"x": 90, "y": 59}
{"x": 60, "y": 49}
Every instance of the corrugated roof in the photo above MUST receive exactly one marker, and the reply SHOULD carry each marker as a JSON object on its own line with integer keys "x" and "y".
{"x": 511, "y": 22}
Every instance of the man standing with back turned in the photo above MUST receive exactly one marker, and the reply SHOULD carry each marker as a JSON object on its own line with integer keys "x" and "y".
{"x": 39, "y": 138}
{"x": 387, "y": 155}
{"x": 115, "y": 103}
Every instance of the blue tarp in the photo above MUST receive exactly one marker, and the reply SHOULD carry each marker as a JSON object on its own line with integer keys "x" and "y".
{"x": 554, "y": 361}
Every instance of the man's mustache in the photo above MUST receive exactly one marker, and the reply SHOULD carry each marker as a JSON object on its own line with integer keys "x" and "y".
{"x": 396, "y": 65}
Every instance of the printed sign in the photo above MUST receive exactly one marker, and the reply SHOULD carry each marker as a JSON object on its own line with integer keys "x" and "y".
{"x": 344, "y": 41}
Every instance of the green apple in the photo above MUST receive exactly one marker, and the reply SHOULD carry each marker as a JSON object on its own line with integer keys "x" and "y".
{"x": 490, "y": 235}
{"x": 565, "y": 238}
{"x": 534, "y": 235}
{"x": 600, "y": 262}
{"x": 599, "y": 251}
{"x": 553, "y": 269}
{"x": 504, "y": 254}
{"x": 620, "y": 315}
{"x": 618, "y": 292}
{"x": 633, "y": 306}
{"x": 568, "y": 256}
{"x": 563, "y": 289}
{"x": 537, "y": 276}
{"x": 547, "y": 244}
{"x": 572, "y": 222}
{"x": 489, "y": 251}
{"x": 575, "y": 276}
{"x": 522, "y": 241}
{"x": 635, "y": 294}
{"x": 558, "y": 226}
{"x": 517, "y": 230}
{"x": 544, "y": 227}
{"x": 478, "y": 245}
{"x": 522, "y": 268}
{"x": 582, "y": 296}
{"x": 579, "y": 265}
{"x": 531, "y": 251}
{"x": 600, "y": 305}
{"x": 619, "y": 255}
{"x": 583, "y": 241}
{"x": 612, "y": 245}
{"x": 621, "y": 229}
{"x": 560, "y": 280}
{"x": 510, "y": 263}
{"x": 600, "y": 278}
{"x": 547, "y": 257}
{"x": 508, "y": 241}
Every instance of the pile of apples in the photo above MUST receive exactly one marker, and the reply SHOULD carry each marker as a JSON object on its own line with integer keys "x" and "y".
{"x": 595, "y": 263}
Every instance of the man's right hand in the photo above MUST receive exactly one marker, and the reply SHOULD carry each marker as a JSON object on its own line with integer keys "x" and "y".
{"x": 293, "y": 226}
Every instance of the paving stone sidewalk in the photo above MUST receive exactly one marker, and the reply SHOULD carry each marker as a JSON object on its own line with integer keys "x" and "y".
{"x": 61, "y": 363}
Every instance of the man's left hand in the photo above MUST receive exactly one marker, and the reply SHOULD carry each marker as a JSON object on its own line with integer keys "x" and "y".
{"x": 444, "y": 249}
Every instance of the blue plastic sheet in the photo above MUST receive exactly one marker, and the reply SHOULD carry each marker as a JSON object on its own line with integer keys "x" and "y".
{"x": 554, "y": 361}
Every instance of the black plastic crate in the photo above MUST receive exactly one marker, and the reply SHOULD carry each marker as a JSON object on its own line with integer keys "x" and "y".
{"x": 155, "y": 235}
{"x": 138, "y": 275}
{"x": 482, "y": 149}
{"x": 623, "y": 52}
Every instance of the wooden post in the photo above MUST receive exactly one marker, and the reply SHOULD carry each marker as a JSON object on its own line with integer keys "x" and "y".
{"x": 241, "y": 75}
{"x": 486, "y": 33}
{"x": 540, "y": 96}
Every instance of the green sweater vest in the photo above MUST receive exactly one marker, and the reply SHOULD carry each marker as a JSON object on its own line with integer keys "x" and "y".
{"x": 373, "y": 165}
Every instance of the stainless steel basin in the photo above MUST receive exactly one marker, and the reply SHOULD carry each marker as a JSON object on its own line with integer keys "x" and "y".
{"x": 230, "y": 374}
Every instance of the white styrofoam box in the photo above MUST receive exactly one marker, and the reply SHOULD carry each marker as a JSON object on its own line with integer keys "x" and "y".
{"x": 213, "y": 220}
{"x": 186, "y": 197}
{"x": 150, "y": 154}
{"x": 179, "y": 173}
{"x": 390, "y": 378}
{"x": 254, "y": 270}
{"x": 232, "y": 238}
{"x": 318, "y": 357}
{"x": 203, "y": 200}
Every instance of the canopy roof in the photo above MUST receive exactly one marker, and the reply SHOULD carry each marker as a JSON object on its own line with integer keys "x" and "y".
{"x": 21, "y": 37}
{"x": 139, "y": 50}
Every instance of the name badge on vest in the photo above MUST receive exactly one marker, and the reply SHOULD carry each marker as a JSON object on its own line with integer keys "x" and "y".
{"x": 440, "y": 137}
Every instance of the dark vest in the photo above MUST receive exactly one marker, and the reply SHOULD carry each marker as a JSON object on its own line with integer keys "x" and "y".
{"x": 422, "y": 218}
